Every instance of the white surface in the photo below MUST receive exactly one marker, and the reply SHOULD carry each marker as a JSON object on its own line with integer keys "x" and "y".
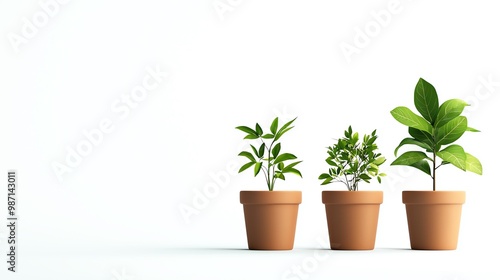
{"x": 264, "y": 59}
{"x": 217, "y": 263}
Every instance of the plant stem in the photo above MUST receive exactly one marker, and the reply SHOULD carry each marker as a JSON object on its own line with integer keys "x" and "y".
{"x": 270, "y": 183}
{"x": 274, "y": 177}
{"x": 434, "y": 171}
{"x": 265, "y": 175}
{"x": 347, "y": 182}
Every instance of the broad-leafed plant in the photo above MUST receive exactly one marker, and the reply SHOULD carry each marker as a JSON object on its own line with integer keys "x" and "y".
{"x": 268, "y": 156}
{"x": 434, "y": 131}
{"x": 352, "y": 160}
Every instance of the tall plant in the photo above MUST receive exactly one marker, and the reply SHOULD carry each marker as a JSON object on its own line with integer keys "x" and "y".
{"x": 437, "y": 127}
{"x": 267, "y": 157}
{"x": 352, "y": 160}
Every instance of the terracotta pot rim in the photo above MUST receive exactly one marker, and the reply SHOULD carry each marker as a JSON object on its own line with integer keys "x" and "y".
{"x": 270, "y": 197}
{"x": 338, "y": 191}
{"x": 438, "y": 191}
{"x": 267, "y": 191}
{"x": 433, "y": 197}
{"x": 352, "y": 197}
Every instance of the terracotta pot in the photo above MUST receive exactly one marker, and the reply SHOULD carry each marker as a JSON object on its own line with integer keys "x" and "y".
{"x": 433, "y": 218}
{"x": 352, "y": 218}
{"x": 270, "y": 218}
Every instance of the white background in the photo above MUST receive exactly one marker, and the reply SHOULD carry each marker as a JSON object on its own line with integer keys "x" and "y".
{"x": 117, "y": 214}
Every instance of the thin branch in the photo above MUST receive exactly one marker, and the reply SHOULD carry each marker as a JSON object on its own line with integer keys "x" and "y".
{"x": 434, "y": 171}
{"x": 274, "y": 176}
{"x": 347, "y": 182}
{"x": 267, "y": 181}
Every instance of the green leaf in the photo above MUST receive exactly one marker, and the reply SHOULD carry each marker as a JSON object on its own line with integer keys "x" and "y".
{"x": 279, "y": 176}
{"x": 324, "y": 176}
{"x": 409, "y": 158}
{"x": 355, "y": 138}
{"x": 365, "y": 177}
{"x": 281, "y": 165}
{"x": 293, "y": 171}
{"x": 408, "y": 118}
{"x": 449, "y": 110}
{"x": 283, "y": 157}
{"x": 274, "y": 126}
{"x": 284, "y": 129}
{"x": 258, "y": 129}
{"x": 255, "y": 151}
{"x": 379, "y": 161}
{"x": 472, "y": 164}
{"x": 290, "y": 166}
{"x": 262, "y": 150}
{"x": 330, "y": 161}
{"x": 451, "y": 131}
{"x": 327, "y": 181}
{"x": 287, "y": 124}
{"x": 411, "y": 141}
{"x": 247, "y": 155}
{"x": 281, "y": 132}
{"x": 276, "y": 150}
{"x": 472, "y": 129}
{"x": 421, "y": 136}
{"x": 268, "y": 136}
{"x": 251, "y": 136}
{"x": 246, "y": 166}
{"x": 422, "y": 165}
{"x": 371, "y": 140}
{"x": 426, "y": 100}
{"x": 455, "y": 155}
{"x": 247, "y": 130}
{"x": 257, "y": 168}
{"x": 373, "y": 169}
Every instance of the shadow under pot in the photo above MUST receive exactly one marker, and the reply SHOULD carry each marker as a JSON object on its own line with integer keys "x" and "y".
{"x": 352, "y": 218}
{"x": 270, "y": 218}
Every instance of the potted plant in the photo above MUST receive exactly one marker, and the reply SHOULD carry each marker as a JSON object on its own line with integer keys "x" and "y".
{"x": 270, "y": 216}
{"x": 434, "y": 216}
{"x": 352, "y": 215}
